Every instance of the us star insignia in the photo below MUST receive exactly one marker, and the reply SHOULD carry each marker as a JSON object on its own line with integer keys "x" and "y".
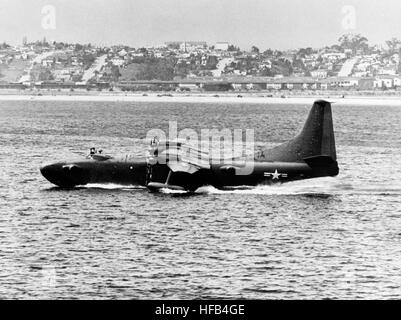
{"x": 275, "y": 175}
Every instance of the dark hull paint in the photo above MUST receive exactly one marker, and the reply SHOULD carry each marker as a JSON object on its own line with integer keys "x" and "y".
{"x": 70, "y": 174}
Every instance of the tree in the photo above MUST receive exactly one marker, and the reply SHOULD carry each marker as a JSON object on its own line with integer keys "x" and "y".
{"x": 255, "y": 50}
{"x": 45, "y": 75}
{"x": 298, "y": 64}
{"x": 231, "y": 48}
{"x": 4, "y": 45}
{"x": 355, "y": 42}
{"x": 115, "y": 73}
{"x": 268, "y": 52}
{"x": 393, "y": 45}
{"x": 305, "y": 52}
{"x": 336, "y": 47}
{"x": 211, "y": 62}
{"x": 44, "y": 42}
{"x": 78, "y": 47}
{"x": 143, "y": 50}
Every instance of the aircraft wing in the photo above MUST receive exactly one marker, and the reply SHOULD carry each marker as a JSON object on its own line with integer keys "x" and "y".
{"x": 184, "y": 158}
{"x": 181, "y": 166}
{"x": 189, "y": 163}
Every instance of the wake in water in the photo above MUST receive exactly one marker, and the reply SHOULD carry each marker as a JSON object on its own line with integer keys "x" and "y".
{"x": 325, "y": 186}
{"x": 318, "y": 186}
{"x": 112, "y": 186}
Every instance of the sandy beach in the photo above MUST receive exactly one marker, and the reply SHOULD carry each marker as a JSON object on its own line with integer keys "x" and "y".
{"x": 201, "y": 98}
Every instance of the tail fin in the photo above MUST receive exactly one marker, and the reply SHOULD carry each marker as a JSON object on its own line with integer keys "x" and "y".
{"x": 315, "y": 145}
{"x": 317, "y": 136}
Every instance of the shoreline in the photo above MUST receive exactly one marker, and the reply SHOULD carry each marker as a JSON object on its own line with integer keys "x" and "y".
{"x": 250, "y": 98}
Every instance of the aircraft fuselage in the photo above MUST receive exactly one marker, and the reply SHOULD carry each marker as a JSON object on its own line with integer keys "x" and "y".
{"x": 70, "y": 174}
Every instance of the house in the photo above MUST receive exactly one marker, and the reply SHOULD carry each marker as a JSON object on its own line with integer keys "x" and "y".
{"x": 319, "y": 73}
{"x": 360, "y": 74}
{"x": 324, "y": 85}
{"x": 25, "y": 79}
{"x": 388, "y": 70}
{"x": 123, "y": 53}
{"x": 188, "y": 46}
{"x": 388, "y": 81}
{"x": 397, "y": 81}
{"x": 138, "y": 54}
{"x": 188, "y": 87}
{"x": 117, "y": 62}
{"x": 334, "y": 56}
{"x": 344, "y": 82}
{"x": 276, "y": 86}
{"x": 239, "y": 86}
{"x": 47, "y": 62}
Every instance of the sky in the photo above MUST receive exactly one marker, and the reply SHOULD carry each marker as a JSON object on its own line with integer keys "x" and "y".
{"x": 276, "y": 24}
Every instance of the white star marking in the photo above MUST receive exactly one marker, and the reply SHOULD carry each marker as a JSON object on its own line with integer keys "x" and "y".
{"x": 275, "y": 175}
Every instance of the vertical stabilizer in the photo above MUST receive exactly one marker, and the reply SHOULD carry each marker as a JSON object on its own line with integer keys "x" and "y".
{"x": 317, "y": 136}
{"x": 315, "y": 145}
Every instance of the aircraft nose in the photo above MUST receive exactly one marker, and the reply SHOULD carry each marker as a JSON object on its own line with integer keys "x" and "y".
{"x": 50, "y": 172}
{"x": 65, "y": 175}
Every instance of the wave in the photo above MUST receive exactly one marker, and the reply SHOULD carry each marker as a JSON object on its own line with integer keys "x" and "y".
{"x": 325, "y": 186}
{"x": 111, "y": 186}
{"x": 318, "y": 186}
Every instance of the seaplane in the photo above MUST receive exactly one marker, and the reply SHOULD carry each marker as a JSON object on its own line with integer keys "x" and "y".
{"x": 177, "y": 166}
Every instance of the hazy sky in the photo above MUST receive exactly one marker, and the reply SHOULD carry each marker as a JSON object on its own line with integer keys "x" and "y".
{"x": 278, "y": 24}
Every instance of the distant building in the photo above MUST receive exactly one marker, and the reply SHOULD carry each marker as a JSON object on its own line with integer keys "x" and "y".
{"x": 388, "y": 81}
{"x": 223, "y": 46}
{"x": 25, "y": 79}
{"x": 320, "y": 74}
{"x": 333, "y": 56}
{"x": 117, "y": 62}
{"x": 187, "y": 45}
{"x": 345, "y": 82}
{"x": 123, "y": 53}
{"x": 188, "y": 87}
{"x": 368, "y": 83}
{"x": 47, "y": 62}
{"x": 138, "y": 54}
{"x": 388, "y": 70}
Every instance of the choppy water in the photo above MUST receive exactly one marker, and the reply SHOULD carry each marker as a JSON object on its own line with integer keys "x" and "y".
{"x": 324, "y": 238}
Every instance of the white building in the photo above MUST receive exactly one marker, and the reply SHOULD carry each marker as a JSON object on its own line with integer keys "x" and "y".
{"x": 387, "y": 82}
{"x": 223, "y": 46}
{"x": 334, "y": 56}
{"x": 123, "y": 53}
{"x": 117, "y": 62}
{"x": 320, "y": 73}
{"x": 25, "y": 79}
{"x": 345, "y": 82}
{"x": 189, "y": 46}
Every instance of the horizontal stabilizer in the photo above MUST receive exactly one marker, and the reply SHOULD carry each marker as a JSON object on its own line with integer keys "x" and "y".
{"x": 319, "y": 161}
{"x": 323, "y": 163}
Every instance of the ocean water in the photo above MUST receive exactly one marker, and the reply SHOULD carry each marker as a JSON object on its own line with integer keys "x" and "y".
{"x": 328, "y": 238}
